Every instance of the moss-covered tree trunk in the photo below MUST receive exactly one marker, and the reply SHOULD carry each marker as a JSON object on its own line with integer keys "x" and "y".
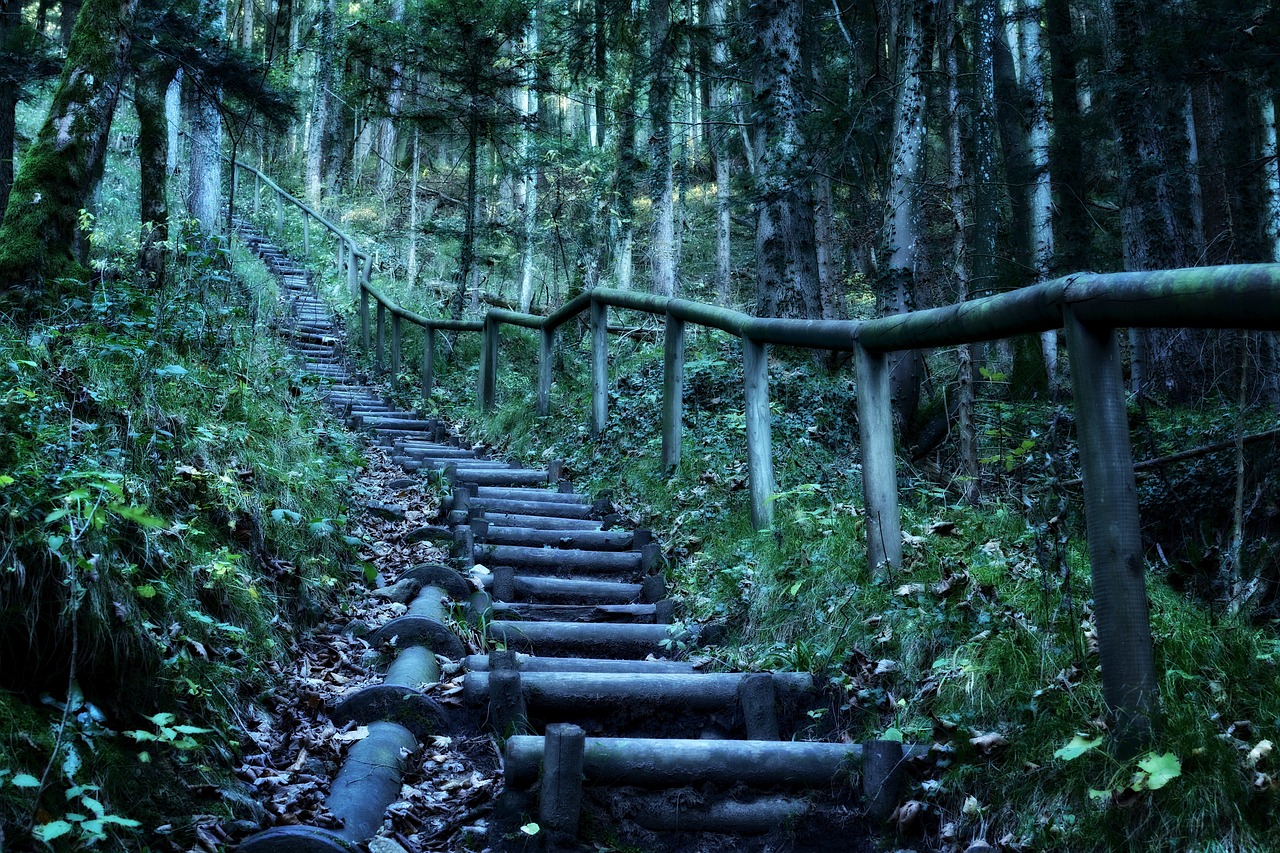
{"x": 62, "y": 167}
{"x": 149, "y": 90}
{"x": 10, "y": 20}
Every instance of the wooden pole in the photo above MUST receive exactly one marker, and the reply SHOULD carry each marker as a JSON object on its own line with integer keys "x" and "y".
{"x": 428, "y": 361}
{"x": 546, "y": 359}
{"x": 257, "y": 194}
{"x": 488, "y": 390}
{"x": 306, "y": 235}
{"x": 279, "y": 214}
{"x": 364, "y": 320}
{"x": 353, "y": 271}
{"x": 672, "y": 391}
{"x": 755, "y": 376}
{"x": 599, "y": 366}
{"x": 1115, "y": 543}
{"x": 395, "y": 350}
{"x": 379, "y": 339}
{"x": 879, "y": 477}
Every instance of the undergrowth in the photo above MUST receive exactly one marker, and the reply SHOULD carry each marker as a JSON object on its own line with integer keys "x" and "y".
{"x": 172, "y": 503}
{"x": 982, "y": 647}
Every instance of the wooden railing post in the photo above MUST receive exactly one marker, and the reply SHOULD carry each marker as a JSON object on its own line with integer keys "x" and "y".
{"x": 364, "y": 320}
{"x": 306, "y": 235}
{"x": 755, "y": 383}
{"x": 257, "y": 194}
{"x": 879, "y": 476}
{"x": 672, "y": 391}
{"x": 488, "y": 391}
{"x": 1115, "y": 545}
{"x": 379, "y": 338}
{"x": 342, "y": 254}
{"x": 546, "y": 358}
{"x": 428, "y": 361}
{"x": 599, "y": 366}
{"x": 395, "y": 350}
{"x": 279, "y": 214}
{"x": 353, "y": 271}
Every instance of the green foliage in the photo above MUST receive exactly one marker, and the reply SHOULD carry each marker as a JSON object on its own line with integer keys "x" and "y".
{"x": 173, "y": 501}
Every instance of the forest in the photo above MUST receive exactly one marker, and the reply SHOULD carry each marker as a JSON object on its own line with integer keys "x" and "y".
{"x": 924, "y": 353}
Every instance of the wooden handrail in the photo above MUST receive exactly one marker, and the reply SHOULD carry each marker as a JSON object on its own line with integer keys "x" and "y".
{"x": 1088, "y": 306}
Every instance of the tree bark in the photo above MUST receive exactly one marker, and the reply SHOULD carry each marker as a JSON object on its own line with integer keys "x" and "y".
{"x": 529, "y": 112}
{"x": 969, "y": 470}
{"x": 320, "y": 103}
{"x": 662, "y": 179}
{"x": 1074, "y": 243}
{"x": 204, "y": 201}
{"x": 10, "y": 20}
{"x": 786, "y": 245}
{"x": 1041, "y": 192}
{"x": 149, "y": 89}
{"x": 719, "y": 128}
{"x": 65, "y": 163}
{"x": 903, "y": 223}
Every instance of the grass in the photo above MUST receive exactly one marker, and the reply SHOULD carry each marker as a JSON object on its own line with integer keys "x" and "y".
{"x": 173, "y": 501}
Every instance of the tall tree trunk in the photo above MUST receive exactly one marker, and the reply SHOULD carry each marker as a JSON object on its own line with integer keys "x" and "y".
{"x": 149, "y": 90}
{"x": 1074, "y": 243}
{"x": 1041, "y": 192}
{"x": 387, "y": 136}
{"x": 958, "y": 202}
{"x": 467, "y": 259}
{"x": 413, "y": 213}
{"x": 204, "y": 200}
{"x": 173, "y": 120}
{"x": 600, "y": 35}
{"x": 720, "y": 125}
{"x": 986, "y": 205}
{"x": 10, "y": 20}
{"x": 1271, "y": 168}
{"x": 903, "y": 224}
{"x": 786, "y": 246}
{"x": 529, "y": 164}
{"x": 65, "y": 163}
{"x": 662, "y": 178}
{"x": 320, "y": 103}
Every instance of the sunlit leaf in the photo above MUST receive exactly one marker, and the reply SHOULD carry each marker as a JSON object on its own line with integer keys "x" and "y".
{"x": 1077, "y": 747}
{"x": 1160, "y": 769}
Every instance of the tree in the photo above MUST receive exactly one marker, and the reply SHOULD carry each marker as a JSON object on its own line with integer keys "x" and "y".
{"x": 786, "y": 244}
{"x": 65, "y": 163}
{"x": 661, "y": 176}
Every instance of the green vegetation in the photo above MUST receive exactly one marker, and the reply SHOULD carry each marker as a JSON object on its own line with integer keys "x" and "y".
{"x": 982, "y": 646}
{"x": 173, "y": 502}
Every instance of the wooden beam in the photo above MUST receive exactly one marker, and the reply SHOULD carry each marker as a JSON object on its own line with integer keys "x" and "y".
{"x": 755, "y": 383}
{"x": 879, "y": 474}
{"x": 599, "y": 366}
{"x": 546, "y": 361}
{"x": 672, "y": 391}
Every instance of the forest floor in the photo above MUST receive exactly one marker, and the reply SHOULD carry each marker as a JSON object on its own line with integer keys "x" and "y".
{"x": 292, "y": 750}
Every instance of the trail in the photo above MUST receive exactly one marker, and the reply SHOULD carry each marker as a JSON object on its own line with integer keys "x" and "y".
{"x": 547, "y": 632}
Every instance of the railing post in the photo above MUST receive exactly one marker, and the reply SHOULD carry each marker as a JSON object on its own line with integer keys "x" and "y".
{"x": 428, "y": 361}
{"x": 755, "y": 383}
{"x": 546, "y": 358}
{"x": 342, "y": 254}
{"x": 488, "y": 391}
{"x": 672, "y": 391}
{"x": 599, "y": 366}
{"x": 257, "y": 194}
{"x": 879, "y": 477}
{"x": 306, "y": 235}
{"x": 279, "y": 214}
{"x": 364, "y": 320}
{"x": 353, "y": 270}
{"x": 379, "y": 338}
{"x": 395, "y": 350}
{"x": 1115, "y": 545}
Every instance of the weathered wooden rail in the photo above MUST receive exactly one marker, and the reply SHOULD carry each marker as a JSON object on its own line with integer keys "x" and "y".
{"x": 1089, "y": 307}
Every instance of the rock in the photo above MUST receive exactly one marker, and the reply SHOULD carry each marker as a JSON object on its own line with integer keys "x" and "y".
{"x": 401, "y": 591}
{"x": 980, "y": 846}
{"x": 391, "y": 512}
{"x": 432, "y": 532}
{"x": 358, "y": 628}
{"x": 384, "y": 845}
{"x": 473, "y": 837}
{"x": 402, "y": 483}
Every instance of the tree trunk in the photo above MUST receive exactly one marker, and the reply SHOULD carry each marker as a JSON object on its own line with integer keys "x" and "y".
{"x": 204, "y": 201}
{"x": 529, "y": 112}
{"x": 467, "y": 260}
{"x": 10, "y": 20}
{"x": 720, "y": 125}
{"x": 1074, "y": 243}
{"x": 64, "y": 164}
{"x": 320, "y": 103}
{"x": 387, "y": 135}
{"x": 149, "y": 90}
{"x": 662, "y": 178}
{"x": 903, "y": 224}
{"x": 786, "y": 246}
{"x": 986, "y": 206}
{"x": 173, "y": 120}
{"x": 969, "y": 470}
{"x": 1041, "y": 202}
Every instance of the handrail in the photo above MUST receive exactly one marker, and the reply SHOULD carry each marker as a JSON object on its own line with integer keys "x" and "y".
{"x": 1089, "y": 307}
